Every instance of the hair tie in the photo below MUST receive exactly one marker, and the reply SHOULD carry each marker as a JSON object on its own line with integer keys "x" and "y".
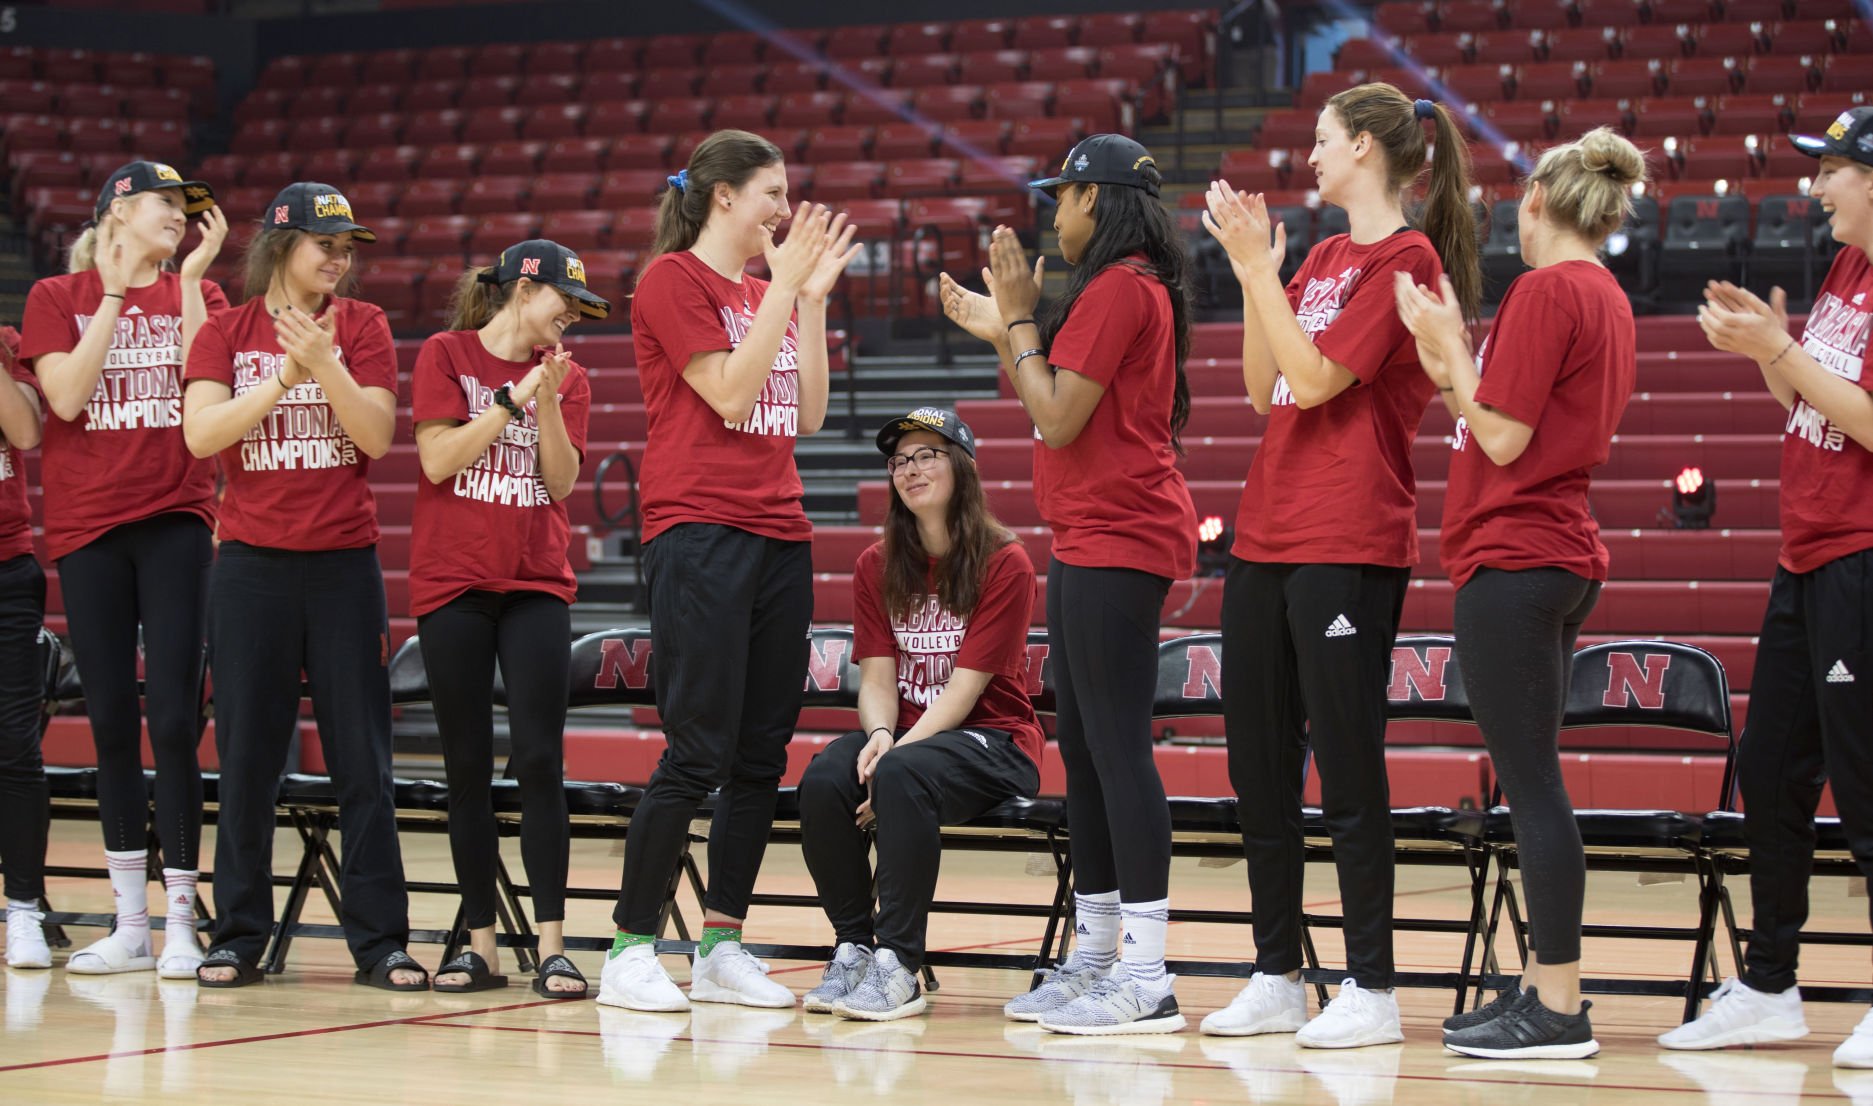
{"x": 1424, "y": 109}
{"x": 680, "y": 181}
{"x": 488, "y": 276}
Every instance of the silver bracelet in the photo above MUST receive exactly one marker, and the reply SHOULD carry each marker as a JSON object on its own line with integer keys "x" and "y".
{"x": 1027, "y": 353}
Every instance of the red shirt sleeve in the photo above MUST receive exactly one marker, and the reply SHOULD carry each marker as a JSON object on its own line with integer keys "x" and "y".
{"x": 575, "y": 407}
{"x": 1367, "y": 333}
{"x": 370, "y": 353}
{"x": 1527, "y": 347}
{"x": 210, "y": 356}
{"x": 1102, "y": 325}
{"x": 996, "y": 641}
{"x": 435, "y": 393}
{"x": 871, "y": 625}
{"x": 47, "y": 325}
{"x": 684, "y": 319}
{"x": 213, "y": 297}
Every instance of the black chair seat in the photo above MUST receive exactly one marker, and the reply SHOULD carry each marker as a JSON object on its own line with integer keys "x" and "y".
{"x": 302, "y": 790}
{"x": 1190, "y": 815}
{"x": 1723, "y": 832}
{"x": 1037, "y": 815}
{"x": 1613, "y": 829}
{"x": 429, "y": 796}
{"x": 73, "y": 784}
{"x": 599, "y": 800}
{"x": 786, "y": 806}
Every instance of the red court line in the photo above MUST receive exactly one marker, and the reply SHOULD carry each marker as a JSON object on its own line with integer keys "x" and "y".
{"x": 414, "y": 1020}
{"x": 955, "y": 1054}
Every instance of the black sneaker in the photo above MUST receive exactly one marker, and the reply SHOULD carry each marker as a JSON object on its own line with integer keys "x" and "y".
{"x": 1504, "y": 999}
{"x": 1528, "y": 1031}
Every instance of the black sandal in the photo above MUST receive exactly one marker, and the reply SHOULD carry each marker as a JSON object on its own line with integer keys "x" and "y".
{"x": 561, "y": 968}
{"x": 378, "y": 975}
{"x": 480, "y": 976}
{"x": 244, "y": 972}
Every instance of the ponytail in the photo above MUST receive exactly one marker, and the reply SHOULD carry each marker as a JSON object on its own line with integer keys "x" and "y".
{"x": 83, "y": 253}
{"x": 1396, "y": 123}
{"x": 726, "y": 157}
{"x": 475, "y": 301}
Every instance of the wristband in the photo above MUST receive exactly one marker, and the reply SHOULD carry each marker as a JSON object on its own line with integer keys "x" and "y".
{"x": 883, "y": 729}
{"x": 1029, "y": 322}
{"x": 279, "y": 377}
{"x": 504, "y": 397}
{"x": 1027, "y": 353}
{"x": 1784, "y": 353}
{"x": 1447, "y": 389}
{"x": 114, "y": 295}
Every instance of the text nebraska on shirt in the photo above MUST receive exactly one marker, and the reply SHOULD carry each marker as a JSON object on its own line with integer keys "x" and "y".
{"x": 139, "y": 388}
{"x": 1836, "y": 337}
{"x": 301, "y": 432}
{"x": 508, "y": 472}
{"x": 1320, "y": 304}
{"x": 776, "y": 411}
{"x": 927, "y": 644}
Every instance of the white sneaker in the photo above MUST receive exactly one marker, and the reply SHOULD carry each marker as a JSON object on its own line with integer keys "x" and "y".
{"x": 888, "y": 992}
{"x": 635, "y": 980}
{"x": 849, "y": 964}
{"x": 1269, "y": 1004}
{"x": 1059, "y": 985}
{"x": 1356, "y": 1017}
{"x": 1115, "y": 1005}
{"x": 26, "y": 940}
{"x": 1741, "y": 1015}
{"x": 730, "y": 974}
{"x": 1857, "y": 1050}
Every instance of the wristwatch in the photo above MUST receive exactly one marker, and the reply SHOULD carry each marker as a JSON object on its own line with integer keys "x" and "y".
{"x": 504, "y": 396}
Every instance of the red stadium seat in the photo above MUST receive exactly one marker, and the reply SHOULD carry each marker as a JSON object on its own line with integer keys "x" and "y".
{"x": 92, "y": 99}
{"x": 579, "y": 155}
{"x": 912, "y": 39}
{"x": 550, "y": 121}
{"x": 87, "y": 136}
{"x": 1105, "y": 103}
{"x": 682, "y": 114}
{"x": 387, "y": 65}
{"x": 432, "y": 95}
{"x": 1469, "y": 15}
{"x": 435, "y": 127}
{"x": 630, "y": 187}
{"x": 285, "y": 71}
{"x": 923, "y": 72}
{"x": 499, "y": 59}
{"x": 970, "y": 138}
{"x": 1109, "y": 29}
{"x": 1631, "y": 79}
{"x": 389, "y": 163}
{"x": 904, "y": 140}
{"x": 1812, "y": 36}
{"x": 1040, "y": 32}
{"x": 1781, "y": 159}
{"x": 1588, "y": 43}
{"x": 717, "y": 84}
{"x": 1701, "y": 76}
{"x": 1659, "y": 116}
{"x": 486, "y": 195}
{"x": 876, "y": 219}
{"x": 1519, "y": 121}
{"x": 613, "y": 55}
{"x": 560, "y": 193}
{"x": 837, "y": 144}
{"x": 1610, "y": 13}
{"x": 1680, "y": 11}
{"x": 1065, "y": 63}
{"x": 1493, "y": 48}
{"x": 554, "y": 88}
{"x": 981, "y": 34}
{"x": 1405, "y": 17}
{"x": 578, "y": 230}
{"x": 1839, "y": 73}
{"x": 431, "y": 197}
{"x": 920, "y": 177}
{"x": 1747, "y": 113}
{"x": 634, "y": 227}
{"x": 856, "y": 42}
{"x": 1796, "y": 74}
{"x": 809, "y": 109}
{"x": 493, "y": 124}
{"x": 457, "y": 161}
{"x": 990, "y": 67}
{"x": 368, "y": 198}
{"x": 372, "y": 99}
{"x": 616, "y": 117}
{"x": 610, "y": 84}
{"x": 271, "y": 170}
{"x": 159, "y": 103}
{"x": 1142, "y": 63}
{"x": 316, "y": 134}
{"x": 643, "y": 151}
{"x": 1045, "y": 138}
{"x": 443, "y": 62}
{"x": 1018, "y": 99}
{"x": 331, "y": 166}
{"x": 512, "y": 158}
{"x": 441, "y": 234}
{"x": 794, "y": 76}
{"x": 260, "y": 104}
{"x": 880, "y": 105}
{"x": 41, "y": 169}
{"x": 847, "y": 180}
{"x": 1663, "y": 41}
{"x": 1723, "y": 157}
{"x": 1482, "y": 84}
{"x": 748, "y": 113}
{"x": 494, "y": 233}
{"x": 944, "y": 104}
{"x": 733, "y": 48}
{"x": 684, "y": 49}
{"x": 664, "y": 82}
{"x": 1727, "y": 40}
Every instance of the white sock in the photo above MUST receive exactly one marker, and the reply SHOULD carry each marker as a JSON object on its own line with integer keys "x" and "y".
{"x": 1096, "y": 934}
{"x": 130, "y": 884}
{"x": 1143, "y": 949}
{"x": 179, "y": 887}
{"x": 22, "y": 904}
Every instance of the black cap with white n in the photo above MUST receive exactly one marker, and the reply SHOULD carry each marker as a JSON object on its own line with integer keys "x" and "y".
{"x": 316, "y": 209}
{"x": 148, "y": 176}
{"x": 547, "y": 262}
{"x": 1849, "y": 136}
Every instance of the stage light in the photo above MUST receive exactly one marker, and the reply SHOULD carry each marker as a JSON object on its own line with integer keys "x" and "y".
{"x": 1214, "y": 537}
{"x": 1693, "y": 499}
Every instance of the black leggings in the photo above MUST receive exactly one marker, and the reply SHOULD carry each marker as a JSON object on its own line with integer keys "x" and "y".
{"x": 919, "y": 788}
{"x": 529, "y": 632}
{"x": 152, "y": 573}
{"x": 1102, "y": 624}
{"x": 1307, "y": 650}
{"x": 729, "y": 616}
{"x": 1515, "y": 644}
{"x": 22, "y": 772}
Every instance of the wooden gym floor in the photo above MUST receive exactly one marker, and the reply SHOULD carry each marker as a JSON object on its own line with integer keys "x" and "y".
{"x": 310, "y": 1036}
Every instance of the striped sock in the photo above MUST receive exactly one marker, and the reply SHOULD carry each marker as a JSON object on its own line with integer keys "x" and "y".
{"x": 179, "y": 887}
{"x": 130, "y": 886}
{"x": 629, "y": 940}
{"x": 1143, "y": 950}
{"x": 1096, "y": 936}
{"x": 713, "y": 935}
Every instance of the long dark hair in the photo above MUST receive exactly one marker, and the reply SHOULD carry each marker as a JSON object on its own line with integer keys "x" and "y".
{"x": 1130, "y": 221}
{"x": 726, "y": 157}
{"x": 975, "y": 535}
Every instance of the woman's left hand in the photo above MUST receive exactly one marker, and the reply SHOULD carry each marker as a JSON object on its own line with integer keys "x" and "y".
{"x": 553, "y": 368}
{"x": 214, "y": 233}
{"x": 840, "y": 251}
{"x": 305, "y": 339}
{"x": 1013, "y": 284}
{"x": 1434, "y": 320}
{"x": 1736, "y": 320}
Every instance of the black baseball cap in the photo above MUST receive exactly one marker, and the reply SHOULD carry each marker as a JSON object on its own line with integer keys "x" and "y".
{"x": 148, "y": 176}
{"x": 1849, "y": 136}
{"x": 316, "y": 209}
{"x": 545, "y": 261}
{"x": 1103, "y": 159}
{"x": 937, "y": 420}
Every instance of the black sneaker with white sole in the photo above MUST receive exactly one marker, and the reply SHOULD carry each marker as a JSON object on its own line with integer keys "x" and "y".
{"x": 1528, "y": 1031}
{"x": 1495, "y": 1009}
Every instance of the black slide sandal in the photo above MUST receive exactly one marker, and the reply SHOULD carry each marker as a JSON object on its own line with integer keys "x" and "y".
{"x": 561, "y": 968}
{"x": 480, "y": 976}
{"x": 378, "y": 975}
{"x": 244, "y": 973}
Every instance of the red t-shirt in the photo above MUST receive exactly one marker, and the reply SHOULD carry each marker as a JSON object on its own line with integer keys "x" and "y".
{"x": 123, "y": 458}
{"x": 1333, "y": 484}
{"x": 296, "y": 480}
{"x": 1827, "y": 477}
{"x": 1560, "y": 358}
{"x": 1113, "y": 495}
{"x": 16, "y": 522}
{"x": 697, "y": 467}
{"x": 492, "y": 526}
{"x": 932, "y": 643}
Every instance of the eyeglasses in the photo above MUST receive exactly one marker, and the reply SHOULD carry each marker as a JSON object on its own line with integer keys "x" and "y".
{"x": 925, "y": 458}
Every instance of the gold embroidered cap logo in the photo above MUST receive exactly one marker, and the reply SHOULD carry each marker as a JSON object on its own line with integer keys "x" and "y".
{"x": 575, "y": 270}
{"x": 329, "y": 204}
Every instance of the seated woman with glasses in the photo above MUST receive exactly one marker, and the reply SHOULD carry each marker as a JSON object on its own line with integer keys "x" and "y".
{"x": 946, "y": 731}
